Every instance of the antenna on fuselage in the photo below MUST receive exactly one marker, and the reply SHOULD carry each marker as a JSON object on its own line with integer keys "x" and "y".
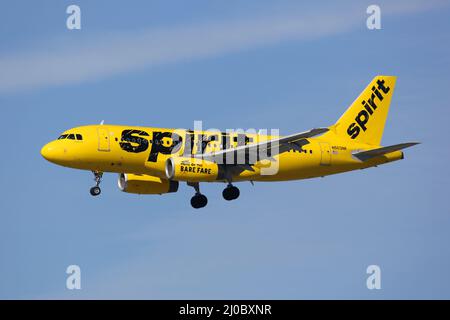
{"x": 102, "y": 122}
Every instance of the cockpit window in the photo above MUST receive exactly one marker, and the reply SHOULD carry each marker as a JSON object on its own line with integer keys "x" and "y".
{"x": 71, "y": 136}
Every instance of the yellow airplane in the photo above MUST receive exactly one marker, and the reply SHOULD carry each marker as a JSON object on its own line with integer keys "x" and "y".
{"x": 155, "y": 160}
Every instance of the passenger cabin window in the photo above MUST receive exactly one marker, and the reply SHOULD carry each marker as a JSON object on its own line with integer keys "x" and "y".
{"x": 79, "y": 136}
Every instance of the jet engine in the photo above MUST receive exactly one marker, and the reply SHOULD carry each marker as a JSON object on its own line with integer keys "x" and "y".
{"x": 192, "y": 170}
{"x": 145, "y": 184}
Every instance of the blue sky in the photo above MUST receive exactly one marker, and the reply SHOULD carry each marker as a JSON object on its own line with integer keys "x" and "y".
{"x": 231, "y": 64}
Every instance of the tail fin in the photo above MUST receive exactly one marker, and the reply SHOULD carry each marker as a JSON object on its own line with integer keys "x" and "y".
{"x": 364, "y": 120}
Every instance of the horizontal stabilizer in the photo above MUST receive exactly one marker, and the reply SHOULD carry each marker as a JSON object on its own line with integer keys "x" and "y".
{"x": 367, "y": 155}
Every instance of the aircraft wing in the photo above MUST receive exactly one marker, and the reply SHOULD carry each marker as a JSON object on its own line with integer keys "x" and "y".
{"x": 367, "y": 155}
{"x": 262, "y": 150}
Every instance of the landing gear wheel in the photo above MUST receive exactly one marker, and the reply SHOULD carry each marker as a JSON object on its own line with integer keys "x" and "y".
{"x": 230, "y": 193}
{"x": 199, "y": 201}
{"x": 95, "y": 191}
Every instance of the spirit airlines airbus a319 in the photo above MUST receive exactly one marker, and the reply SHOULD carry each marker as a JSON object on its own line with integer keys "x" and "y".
{"x": 156, "y": 160}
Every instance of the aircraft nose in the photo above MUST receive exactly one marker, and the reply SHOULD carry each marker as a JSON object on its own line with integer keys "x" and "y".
{"x": 51, "y": 152}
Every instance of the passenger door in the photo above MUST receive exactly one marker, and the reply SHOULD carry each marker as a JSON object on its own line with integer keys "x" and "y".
{"x": 103, "y": 139}
{"x": 325, "y": 150}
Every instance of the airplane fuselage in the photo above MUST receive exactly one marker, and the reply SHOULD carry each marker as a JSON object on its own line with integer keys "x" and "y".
{"x": 144, "y": 150}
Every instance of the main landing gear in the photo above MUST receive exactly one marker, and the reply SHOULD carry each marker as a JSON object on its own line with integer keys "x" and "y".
{"x": 95, "y": 191}
{"x": 198, "y": 200}
{"x": 230, "y": 192}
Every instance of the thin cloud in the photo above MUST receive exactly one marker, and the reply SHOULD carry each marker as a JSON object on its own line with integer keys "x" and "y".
{"x": 105, "y": 56}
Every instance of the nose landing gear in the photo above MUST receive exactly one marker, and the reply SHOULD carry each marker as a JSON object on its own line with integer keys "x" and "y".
{"x": 95, "y": 191}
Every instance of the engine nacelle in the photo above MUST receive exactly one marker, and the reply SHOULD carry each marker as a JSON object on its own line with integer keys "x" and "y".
{"x": 144, "y": 184}
{"x": 192, "y": 169}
